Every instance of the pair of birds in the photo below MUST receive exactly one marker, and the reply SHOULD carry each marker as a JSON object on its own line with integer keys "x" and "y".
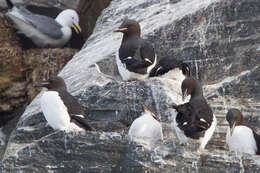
{"x": 63, "y": 112}
{"x": 196, "y": 120}
{"x": 138, "y": 60}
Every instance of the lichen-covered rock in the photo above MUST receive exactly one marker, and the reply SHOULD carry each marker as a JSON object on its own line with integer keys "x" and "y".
{"x": 225, "y": 60}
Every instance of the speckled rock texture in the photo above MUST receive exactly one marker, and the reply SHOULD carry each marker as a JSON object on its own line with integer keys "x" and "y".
{"x": 218, "y": 38}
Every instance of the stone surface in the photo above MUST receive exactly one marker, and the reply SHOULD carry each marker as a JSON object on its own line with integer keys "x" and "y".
{"x": 219, "y": 38}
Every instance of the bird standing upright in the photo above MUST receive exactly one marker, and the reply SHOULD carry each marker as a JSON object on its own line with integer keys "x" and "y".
{"x": 239, "y": 137}
{"x": 146, "y": 126}
{"x": 195, "y": 119}
{"x": 136, "y": 55}
{"x": 60, "y": 109}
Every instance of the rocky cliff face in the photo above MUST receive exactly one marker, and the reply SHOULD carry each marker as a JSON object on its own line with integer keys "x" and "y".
{"x": 219, "y": 38}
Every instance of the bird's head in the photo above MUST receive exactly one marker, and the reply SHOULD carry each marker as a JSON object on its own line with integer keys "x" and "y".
{"x": 69, "y": 18}
{"x": 150, "y": 111}
{"x": 234, "y": 118}
{"x": 190, "y": 86}
{"x": 129, "y": 27}
{"x": 53, "y": 83}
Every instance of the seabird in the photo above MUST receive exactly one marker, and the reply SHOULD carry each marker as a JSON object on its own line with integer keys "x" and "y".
{"x": 42, "y": 30}
{"x": 171, "y": 69}
{"x": 146, "y": 126}
{"x": 60, "y": 108}
{"x": 239, "y": 137}
{"x": 136, "y": 55}
{"x": 195, "y": 118}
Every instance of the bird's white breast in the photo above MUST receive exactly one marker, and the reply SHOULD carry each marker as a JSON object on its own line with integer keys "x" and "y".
{"x": 242, "y": 140}
{"x": 174, "y": 74}
{"x": 146, "y": 126}
{"x": 209, "y": 132}
{"x": 54, "y": 110}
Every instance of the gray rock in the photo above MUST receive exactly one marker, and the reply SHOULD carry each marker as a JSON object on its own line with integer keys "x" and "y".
{"x": 193, "y": 30}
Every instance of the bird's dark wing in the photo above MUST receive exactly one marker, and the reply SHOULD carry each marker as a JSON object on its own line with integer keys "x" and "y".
{"x": 257, "y": 138}
{"x": 71, "y": 103}
{"x": 166, "y": 64}
{"x": 201, "y": 111}
{"x": 188, "y": 121}
{"x": 137, "y": 55}
{"x": 81, "y": 122}
{"x": 147, "y": 52}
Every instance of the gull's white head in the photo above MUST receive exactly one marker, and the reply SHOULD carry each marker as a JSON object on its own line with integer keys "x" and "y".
{"x": 69, "y": 18}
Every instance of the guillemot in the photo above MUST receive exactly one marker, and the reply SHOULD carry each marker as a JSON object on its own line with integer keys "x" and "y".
{"x": 146, "y": 126}
{"x": 171, "y": 68}
{"x": 239, "y": 137}
{"x": 42, "y": 30}
{"x": 195, "y": 118}
{"x": 60, "y": 108}
{"x": 136, "y": 56}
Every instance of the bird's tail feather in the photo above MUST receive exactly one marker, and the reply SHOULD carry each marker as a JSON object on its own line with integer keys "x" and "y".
{"x": 82, "y": 122}
{"x": 9, "y": 4}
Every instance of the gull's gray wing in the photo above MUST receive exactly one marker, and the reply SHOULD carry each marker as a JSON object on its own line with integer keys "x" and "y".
{"x": 44, "y": 24}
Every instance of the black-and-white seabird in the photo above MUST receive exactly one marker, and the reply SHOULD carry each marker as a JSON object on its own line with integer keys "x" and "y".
{"x": 60, "y": 108}
{"x": 146, "y": 126}
{"x": 239, "y": 137}
{"x": 195, "y": 118}
{"x": 171, "y": 69}
{"x": 42, "y": 30}
{"x": 136, "y": 55}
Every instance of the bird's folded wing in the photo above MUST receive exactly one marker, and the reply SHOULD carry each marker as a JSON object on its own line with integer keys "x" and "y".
{"x": 44, "y": 24}
{"x": 82, "y": 122}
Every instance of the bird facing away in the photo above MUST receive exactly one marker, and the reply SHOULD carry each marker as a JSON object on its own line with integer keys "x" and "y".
{"x": 42, "y": 30}
{"x": 146, "y": 126}
{"x": 60, "y": 109}
{"x": 171, "y": 69}
{"x": 239, "y": 137}
{"x": 195, "y": 118}
{"x": 136, "y": 55}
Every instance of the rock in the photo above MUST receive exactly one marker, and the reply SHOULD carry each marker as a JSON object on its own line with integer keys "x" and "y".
{"x": 192, "y": 30}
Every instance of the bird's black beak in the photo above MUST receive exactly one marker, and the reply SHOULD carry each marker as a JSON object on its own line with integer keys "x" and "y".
{"x": 42, "y": 84}
{"x": 232, "y": 125}
{"x": 77, "y": 28}
{"x": 184, "y": 95}
{"x": 174, "y": 107}
{"x": 150, "y": 110}
{"x": 121, "y": 30}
